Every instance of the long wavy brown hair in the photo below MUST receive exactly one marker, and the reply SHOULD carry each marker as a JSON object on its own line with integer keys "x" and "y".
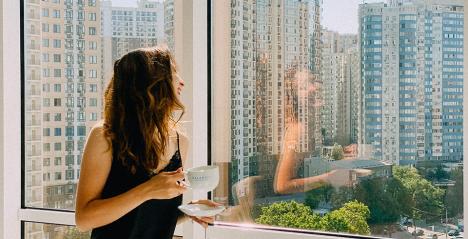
{"x": 139, "y": 104}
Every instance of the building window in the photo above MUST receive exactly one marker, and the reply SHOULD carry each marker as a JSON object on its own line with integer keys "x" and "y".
{"x": 57, "y": 73}
{"x": 58, "y": 132}
{"x": 46, "y": 117}
{"x": 92, "y": 16}
{"x": 92, "y": 87}
{"x": 56, "y": 14}
{"x": 57, "y": 161}
{"x": 57, "y": 58}
{"x": 45, "y": 12}
{"x": 93, "y": 102}
{"x": 56, "y": 28}
{"x": 69, "y": 131}
{"x": 57, "y": 117}
{"x": 57, "y": 87}
{"x": 57, "y": 146}
{"x": 81, "y": 130}
{"x": 46, "y": 161}
{"x": 45, "y": 27}
{"x": 46, "y": 102}
{"x": 57, "y": 43}
{"x": 45, "y": 42}
{"x": 57, "y": 102}
{"x": 92, "y": 74}
{"x": 92, "y": 31}
{"x": 46, "y": 147}
{"x": 46, "y": 132}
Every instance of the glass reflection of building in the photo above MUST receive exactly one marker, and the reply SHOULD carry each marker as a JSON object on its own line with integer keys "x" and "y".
{"x": 273, "y": 70}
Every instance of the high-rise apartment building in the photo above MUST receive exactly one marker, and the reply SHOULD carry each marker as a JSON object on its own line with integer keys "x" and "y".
{"x": 338, "y": 74}
{"x": 128, "y": 28}
{"x": 272, "y": 73}
{"x": 62, "y": 97}
{"x": 412, "y": 78}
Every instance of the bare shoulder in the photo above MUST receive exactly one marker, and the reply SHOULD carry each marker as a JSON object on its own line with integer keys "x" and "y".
{"x": 97, "y": 139}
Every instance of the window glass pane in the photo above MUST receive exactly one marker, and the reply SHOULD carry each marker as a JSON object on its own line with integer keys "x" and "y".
{"x": 52, "y": 231}
{"x": 342, "y": 116}
{"x": 70, "y": 49}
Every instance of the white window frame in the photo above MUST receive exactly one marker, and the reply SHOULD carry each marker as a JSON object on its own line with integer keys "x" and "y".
{"x": 193, "y": 69}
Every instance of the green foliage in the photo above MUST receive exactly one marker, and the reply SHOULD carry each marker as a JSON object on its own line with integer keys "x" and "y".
{"x": 337, "y": 152}
{"x": 425, "y": 198}
{"x": 321, "y": 194}
{"x": 351, "y": 218}
{"x": 454, "y": 199}
{"x": 383, "y": 197}
{"x": 289, "y": 214}
{"x": 73, "y": 233}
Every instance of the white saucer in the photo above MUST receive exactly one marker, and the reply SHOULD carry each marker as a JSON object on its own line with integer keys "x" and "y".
{"x": 201, "y": 210}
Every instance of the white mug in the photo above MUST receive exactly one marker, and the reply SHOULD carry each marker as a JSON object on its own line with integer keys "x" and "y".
{"x": 203, "y": 178}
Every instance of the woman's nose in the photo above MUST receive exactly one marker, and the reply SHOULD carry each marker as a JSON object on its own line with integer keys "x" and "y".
{"x": 181, "y": 82}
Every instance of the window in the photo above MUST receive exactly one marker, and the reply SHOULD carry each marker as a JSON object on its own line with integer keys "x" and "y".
{"x": 57, "y": 87}
{"x": 45, "y": 57}
{"x": 56, "y": 28}
{"x": 93, "y": 102}
{"x": 46, "y": 147}
{"x": 46, "y": 117}
{"x": 58, "y": 132}
{"x": 69, "y": 131}
{"x": 92, "y": 16}
{"x": 92, "y": 59}
{"x": 81, "y": 130}
{"x": 45, "y": 42}
{"x": 57, "y": 146}
{"x": 45, "y": 27}
{"x": 92, "y": 45}
{"x": 57, "y": 73}
{"x": 92, "y": 74}
{"x": 56, "y": 14}
{"x": 46, "y": 132}
{"x": 45, "y": 12}
{"x": 58, "y": 117}
{"x": 46, "y": 102}
{"x": 57, "y": 102}
{"x": 57, "y": 161}
{"x": 92, "y": 87}
{"x": 92, "y": 31}
{"x": 57, "y": 58}
{"x": 265, "y": 70}
{"x": 57, "y": 43}
{"x": 296, "y": 117}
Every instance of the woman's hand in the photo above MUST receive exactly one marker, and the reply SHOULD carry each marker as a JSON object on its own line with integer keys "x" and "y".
{"x": 204, "y": 221}
{"x": 165, "y": 185}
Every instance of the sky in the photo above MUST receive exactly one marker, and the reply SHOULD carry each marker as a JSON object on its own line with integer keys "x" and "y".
{"x": 342, "y": 15}
{"x": 338, "y": 15}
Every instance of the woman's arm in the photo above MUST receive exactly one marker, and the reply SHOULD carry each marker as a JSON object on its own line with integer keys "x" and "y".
{"x": 285, "y": 181}
{"x": 91, "y": 210}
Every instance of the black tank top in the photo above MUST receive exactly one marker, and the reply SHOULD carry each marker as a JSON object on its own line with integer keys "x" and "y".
{"x": 153, "y": 219}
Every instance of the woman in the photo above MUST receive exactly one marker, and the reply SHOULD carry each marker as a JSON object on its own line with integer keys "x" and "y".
{"x": 131, "y": 174}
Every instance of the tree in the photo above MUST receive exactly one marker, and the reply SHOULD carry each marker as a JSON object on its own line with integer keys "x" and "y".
{"x": 73, "y": 233}
{"x": 352, "y": 218}
{"x": 454, "y": 198}
{"x": 426, "y": 199}
{"x": 289, "y": 214}
{"x": 337, "y": 152}
{"x": 381, "y": 195}
{"x": 321, "y": 194}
